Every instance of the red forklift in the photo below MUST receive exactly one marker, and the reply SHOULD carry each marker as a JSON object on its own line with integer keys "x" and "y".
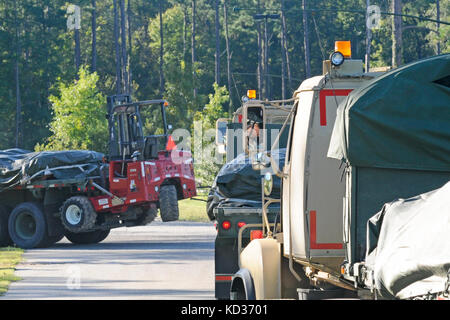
{"x": 144, "y": 172}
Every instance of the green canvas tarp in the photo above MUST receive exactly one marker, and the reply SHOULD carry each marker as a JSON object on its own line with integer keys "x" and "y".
{"x": 400, "y": 120}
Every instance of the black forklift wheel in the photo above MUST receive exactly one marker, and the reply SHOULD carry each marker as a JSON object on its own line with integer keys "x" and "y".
{"x": 78, "y": 214}
{"x": 147, "y": 216}
{"x": 168, "y": 203}
{"x": 27, "y": 226}
{"x": 87, "y": 237}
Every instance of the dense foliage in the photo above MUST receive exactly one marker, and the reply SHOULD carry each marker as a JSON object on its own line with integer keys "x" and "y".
{"x": 37, "y": 52}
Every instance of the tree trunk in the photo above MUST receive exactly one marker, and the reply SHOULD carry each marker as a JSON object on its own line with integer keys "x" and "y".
{"x": 94, "y": 36}
{"x": 306, "y": 41}
{"x": 16, "y": 74}
{"x": 368, "y": 39}
{"x": 185, "y": 24}
{"x": 77, "y": 50}
{"x": 227, "y": 44}
{"x": 130, "y": 48}
{"x": 397, "y": 46}
{"x": 117, "y": 49}
{"x": 161, "y": 51}
{"x": 217, "y": 55}
{"x": 438, "y": 18}
{"x": 285, "y": 46}
{"x": 123, "y": 35}
{"x": 260, "y": 70}
{"x": 194, "y": 76}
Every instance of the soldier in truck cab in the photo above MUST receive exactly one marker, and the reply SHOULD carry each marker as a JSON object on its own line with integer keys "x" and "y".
{"x": 254, "y": 126}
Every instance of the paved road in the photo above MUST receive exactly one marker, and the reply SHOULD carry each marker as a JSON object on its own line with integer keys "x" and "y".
{"x": 160, "y": 261}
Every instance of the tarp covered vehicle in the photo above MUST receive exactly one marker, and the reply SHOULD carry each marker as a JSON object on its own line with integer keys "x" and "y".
{"x": 394, "y": 135}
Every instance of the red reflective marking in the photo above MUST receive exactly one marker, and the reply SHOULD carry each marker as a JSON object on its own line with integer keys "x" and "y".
{"x": 313, "y": 235}
{"x": 223, "y": 278}
{"x": 323, "y": 101}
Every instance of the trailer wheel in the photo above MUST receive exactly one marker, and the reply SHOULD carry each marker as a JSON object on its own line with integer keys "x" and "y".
{"x": 168, "y": 203}
{"x": 5, "y": 239}
{"x": 78, "y": 214}
{"x": 87, "y": 237}
{"x": 27, "y": 226}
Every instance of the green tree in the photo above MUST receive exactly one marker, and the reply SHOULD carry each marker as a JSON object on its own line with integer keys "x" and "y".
{"x": 78, "y": 116}
{"x": 206, "y": 168}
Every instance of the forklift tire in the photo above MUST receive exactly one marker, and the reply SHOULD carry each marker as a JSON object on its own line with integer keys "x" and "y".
{"x": 78, "y": 214}
{"x": 5, "y": 239}
{"x": 148, "y": 216}
{"x": 87, "y": 237}
{"x": 27, "y": 226}
{"x": 168, "y": 203}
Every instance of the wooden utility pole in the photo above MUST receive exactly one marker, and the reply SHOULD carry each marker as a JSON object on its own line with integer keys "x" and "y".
{"x": 217, "y": 55}
{"x": 306, "y": 41}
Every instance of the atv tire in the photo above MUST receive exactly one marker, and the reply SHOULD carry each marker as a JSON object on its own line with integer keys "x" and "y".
{"x": 87, "y": 237}
{"x": 78, "y": 214}
{"x": 168, "y": 203}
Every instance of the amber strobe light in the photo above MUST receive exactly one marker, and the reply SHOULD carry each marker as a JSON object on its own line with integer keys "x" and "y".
{"x": 251, "y": 94}
{"x": 344, "y": 47}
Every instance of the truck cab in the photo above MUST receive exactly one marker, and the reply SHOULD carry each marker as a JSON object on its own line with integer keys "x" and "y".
{"x": 237, "y": 210}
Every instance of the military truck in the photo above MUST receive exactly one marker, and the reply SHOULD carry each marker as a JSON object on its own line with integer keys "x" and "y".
{"x": 234, "y": 200}
{"x": 356, "y": 224}
{"x": 82, "y": 195}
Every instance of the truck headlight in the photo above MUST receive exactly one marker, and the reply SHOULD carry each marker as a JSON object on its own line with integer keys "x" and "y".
{"x": 337, "y": 58}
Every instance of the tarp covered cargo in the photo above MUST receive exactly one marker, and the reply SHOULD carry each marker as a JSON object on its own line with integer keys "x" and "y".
{"x": 19, "y": 166}
{"x": 406, "y": 111}
{"x": 408, "y": 245}
{"x": 238, "y": 185}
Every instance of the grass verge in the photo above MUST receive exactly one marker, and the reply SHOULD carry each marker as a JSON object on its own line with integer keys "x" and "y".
{"x": 9, "y": 258}
{"x": 193, "y": 210}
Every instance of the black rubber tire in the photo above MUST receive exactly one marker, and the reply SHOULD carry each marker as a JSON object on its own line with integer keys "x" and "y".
{"x": 87, "y": 215}
{"x": 148, "y": 216}
{"x": 87, "y": 237}
{"x": 168, "y": 203}
{"x": 5, "y": 239}
{"x": 27, "y": 226}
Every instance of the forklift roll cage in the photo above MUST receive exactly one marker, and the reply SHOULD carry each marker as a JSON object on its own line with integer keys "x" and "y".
{"x": 127, "y": 139}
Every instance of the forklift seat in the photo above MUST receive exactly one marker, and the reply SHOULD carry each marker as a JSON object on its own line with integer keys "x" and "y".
{"x": 151, "y": 148}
